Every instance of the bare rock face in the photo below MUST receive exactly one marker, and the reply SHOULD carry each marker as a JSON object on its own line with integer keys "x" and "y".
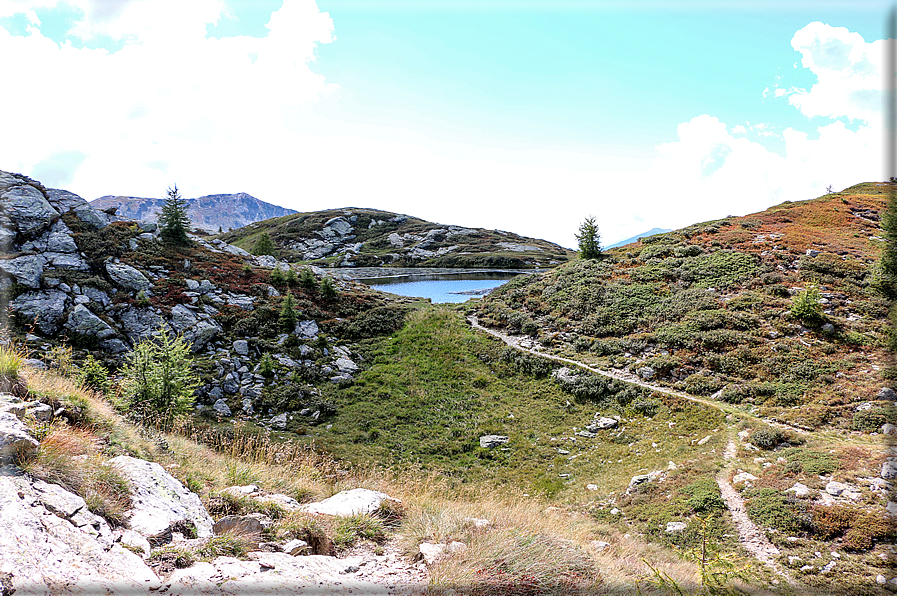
{"x": 51, "y": 544}
{"x": 44, "y": 308}
{"x": 84, "y": 322}
{"x": 159, "y": 500}
{"x": 127, "y": 276}
{"x": 25, "y": 205}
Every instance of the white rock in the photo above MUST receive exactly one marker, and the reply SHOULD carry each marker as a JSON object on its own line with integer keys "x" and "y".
{"x": 743, "y": 477}
{"x": 704, "y": 440}
{"x": 349, "y": 502}
{"x": 835, "y": 488}
{"x": 14, "y": 439}
{"x": 435, "y": 552}
{"x": 591, "y": 487}
{"x": 673, "y": 527}
{"x": 799, "y": 490}
{"x": 295, "y": 547}
{"x": 158, "y": 499}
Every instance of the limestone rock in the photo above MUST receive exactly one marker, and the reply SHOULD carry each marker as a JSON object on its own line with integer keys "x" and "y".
{"x": 280, "y": 421}
{"x": 45, "y": 308}
{"x": 182, "y": 318}
{"x": 349, "y": 502}
{"x": 14, "y": 439}
{"x": 159, "y": 500}
{"x": 201, "y": 334}
{"x": 743, "y": 477}
{"x": 564, "y": 375}
{"x": 127, "y": 276}
{"x": 602, "y": 423}
{"x": 799, "y": 490}
{"x": 889, "y": 470}
{"x": 295, "y": 547}
{"x": 241, "y": 347}
{"x": 83, "y": 322}
{"x": 139, "y": 323}
{"x": 345, "y": 365}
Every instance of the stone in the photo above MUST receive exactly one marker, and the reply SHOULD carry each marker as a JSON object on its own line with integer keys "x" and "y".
{"x": 646, "y": 372}
{"x": 880, "y": 579}
{"x": 295, "y": 547}
{"x": 115, "y": 346}
{"x": 83, "y": 322}
{"x": 889, "y": 470}
{"x": 886, "y": 393}
{"x": 201, "y": 334}
{"x": 599, "y": 544}
{"x": 799, "y": 490}
{"x": 41, "y": 412}
{"x": 254, "y": 523}
{"x": 306, "y": 329}
{"x": 241, "y": 347}
{"x": 828, "y": 328}
{"x": 27, "y": 208}
{"x": 139, "y": 323}
{"x": 27, "y": 269}
{"x": 888, "y": 429}
{"x": 158, "y": 500}
{"x": 127, "y": 276}
{"x": 602, "y": 423}
{"x": 15, "y": 439}
{"x": 349, "y": 502}
{"x": 280, "y": 421}
{"x": 743, "y": 477}
{"x": 221, "y": 407}
{"x": 43, "y": 308}
{"x": 345, "y": 365}
{"x": 812, "y": 253}
{"x": 432, "y": 553}
{"x": 283, "y": 501}
{"x": 241, "y": 491}
{"x": 674, "y": 527}
{"x": 68, "y": 202}
{"x": 591, "y": 487}
{"x": 705, "y": 440}
{"x": 133, "y": 540}
{"x": 864, "y": 406}
{"x": 492, "y": 441}
{"x": 564, "y": 375}
{"x": 182, "y": 318}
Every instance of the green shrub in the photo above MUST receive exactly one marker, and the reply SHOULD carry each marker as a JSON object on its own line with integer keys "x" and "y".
{"x": 94, "y": 375}
{"x": 806, "y": 308}
{"x": 702, "y": 384}
{"x": 267, "y": 366}
{"x": 869, "y": 420}
{"x": 705, "y": 496}
{"x": 766, "y": 438}
{"x": 308, "y": 281}
{"x": 158, "y": 378}
{"x": 769, "y": 508}
{"x": 288, "y": 315}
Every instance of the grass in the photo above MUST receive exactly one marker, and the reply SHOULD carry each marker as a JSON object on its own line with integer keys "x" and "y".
{"x": 10, "y": 366}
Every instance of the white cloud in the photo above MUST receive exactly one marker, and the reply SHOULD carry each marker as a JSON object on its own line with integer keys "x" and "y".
{"x": 237, "y": 114}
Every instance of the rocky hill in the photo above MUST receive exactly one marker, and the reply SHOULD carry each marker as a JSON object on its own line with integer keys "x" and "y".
{"x": 370, "y": 238}
{"x": 211, "y": 213}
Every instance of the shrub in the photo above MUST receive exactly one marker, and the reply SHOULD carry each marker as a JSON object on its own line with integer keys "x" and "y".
{"x": 158, "y": 378}
{"x": 702, "y": 384}
{"x": 94, "y": 375}
{"x": 869, "y": 420}
{"x": 705, "y": 496}
{"x": 806, "y": 307}
{"x": 771, "y": 509}
{"x": 766, "y": 438}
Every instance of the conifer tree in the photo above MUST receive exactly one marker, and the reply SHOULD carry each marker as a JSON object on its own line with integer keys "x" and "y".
{"x": 264, "y": 245}
{"x": 288, "y": 314}
{"x": 589, "y": 239}
{"x": 173, "y": 221}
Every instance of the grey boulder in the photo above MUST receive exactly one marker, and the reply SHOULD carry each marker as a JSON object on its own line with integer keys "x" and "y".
{"x": 349, "y": 502}
{"x": 43, "y": 308}
{"x": 27, "y": 269}
{"x": 26, "y": 206}
{"x": 15, "y": 440}
{"x": 84, "y": 322}
{"x": 492, "y": 441}
{"x": 127, "y": 276}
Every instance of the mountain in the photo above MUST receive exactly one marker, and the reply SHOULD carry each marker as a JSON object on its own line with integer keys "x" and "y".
{"x": 354, "y": 237}
{"x": 209, "y": 213}
{"x": 650, "y": 232}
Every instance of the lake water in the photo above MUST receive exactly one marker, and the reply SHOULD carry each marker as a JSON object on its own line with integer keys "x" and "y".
{"x": 440, "y": 287}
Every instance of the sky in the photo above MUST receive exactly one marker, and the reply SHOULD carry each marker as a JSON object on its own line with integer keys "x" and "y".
{"x": 525, "y": 116}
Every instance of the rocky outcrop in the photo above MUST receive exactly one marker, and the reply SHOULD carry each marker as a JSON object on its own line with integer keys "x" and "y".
{"x": 50, "y": 544}
{"x": 128, "y": 276}
{"x": 85, "y": 323}
{"x": 45, "y": 309}
{"x": 15, "y": 440}
{"x": 159, "y": 501}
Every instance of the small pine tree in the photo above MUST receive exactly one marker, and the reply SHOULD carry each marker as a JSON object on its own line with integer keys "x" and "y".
{"x": 158, "y": 378}
{"x": 173, "y": 220}
{"x": 288, "y": 314}
{"x": 264, "y": 245}
{"x": 589, "y": 239}
{"x": 886, "y": 270}
{"x": 290, "y": 277}
{"x": 328, "y": 290}
{"x": 308, "y": 281}
{"x": 93, "y": 375}
{"x": 806, "y": 307}
{"x": 277, "y": 277}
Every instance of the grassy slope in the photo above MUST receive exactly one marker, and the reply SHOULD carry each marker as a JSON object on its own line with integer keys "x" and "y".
{"x": 707, "y": 307}
{"x": 479, "y": 249}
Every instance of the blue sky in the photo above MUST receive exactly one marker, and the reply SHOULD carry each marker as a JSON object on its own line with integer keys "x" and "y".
{"x": 524, "y": 116}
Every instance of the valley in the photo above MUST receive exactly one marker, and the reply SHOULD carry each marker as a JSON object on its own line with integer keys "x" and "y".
{"x": 664, "y": 417}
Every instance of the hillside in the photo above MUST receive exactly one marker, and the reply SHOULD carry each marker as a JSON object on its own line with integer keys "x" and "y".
{"x": 583, "y": 465}
{"x": 210, "y": 213}
{"x": 370, "y": 238}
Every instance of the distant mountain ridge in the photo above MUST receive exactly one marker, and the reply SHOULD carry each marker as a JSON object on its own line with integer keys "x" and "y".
{"x": 650, "y": 232}
{"x": 209, "y": 212}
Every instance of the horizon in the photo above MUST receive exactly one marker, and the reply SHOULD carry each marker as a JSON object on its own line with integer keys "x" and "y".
{"x": 521, "y": 117}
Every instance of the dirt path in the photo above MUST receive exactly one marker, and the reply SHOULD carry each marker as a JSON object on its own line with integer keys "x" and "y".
{"x": 514, "y": 342}
{"x": 751, "y": 538}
